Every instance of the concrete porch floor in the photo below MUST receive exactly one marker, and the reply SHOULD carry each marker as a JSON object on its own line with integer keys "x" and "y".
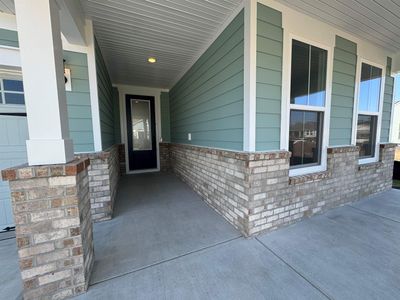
{"x": 166, "y": 243}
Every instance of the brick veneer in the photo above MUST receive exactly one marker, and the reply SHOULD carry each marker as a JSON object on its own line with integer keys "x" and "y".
{"x": 122, "y": 159}
{"x": 104, "y": 173}
{"x": 254, "y": 192}
{"x": 53, "y": 228}
{"x": 164, "y": 157}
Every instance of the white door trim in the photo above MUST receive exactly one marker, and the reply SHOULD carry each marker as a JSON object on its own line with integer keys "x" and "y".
{"x": 144, "y": 91}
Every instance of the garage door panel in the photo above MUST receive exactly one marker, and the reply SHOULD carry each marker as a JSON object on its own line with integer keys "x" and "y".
{"x": 13, "y": 136}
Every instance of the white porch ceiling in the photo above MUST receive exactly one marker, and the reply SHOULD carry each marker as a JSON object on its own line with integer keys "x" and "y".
{"x": 176, "y": 32}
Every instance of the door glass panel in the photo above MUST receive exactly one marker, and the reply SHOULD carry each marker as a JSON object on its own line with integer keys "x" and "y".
{"x": 141, "y": 125}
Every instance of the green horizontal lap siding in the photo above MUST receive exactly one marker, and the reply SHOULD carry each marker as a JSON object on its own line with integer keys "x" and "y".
{"x": 208, "y": 100}
{"x": 165, "y": 117}
{"x": 343, "y": 87}
{"x": 78, "y": 102}
{"x": 106, "y": 96}
{"x": 8, "y": 38}
{"x": 269, "y": 78}
{"x": 387, "y": 103}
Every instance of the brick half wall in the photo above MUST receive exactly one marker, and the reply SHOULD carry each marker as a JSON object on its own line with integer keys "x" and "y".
{"x": 254, "y": 192}
{"x": 104, "y": 173}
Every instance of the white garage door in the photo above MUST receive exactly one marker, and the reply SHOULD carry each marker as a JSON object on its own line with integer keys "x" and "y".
{"x": 13, "y": 134}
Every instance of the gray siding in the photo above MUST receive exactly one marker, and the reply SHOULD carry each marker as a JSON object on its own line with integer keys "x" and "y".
{"x": 387, "y": 103}
{"x": 343, "y": 88}
{"x": 165, "y": 117}
{"x": 106, "y": 105}
{"x": 269, "y": 78}
{"x": 208, "y": 100}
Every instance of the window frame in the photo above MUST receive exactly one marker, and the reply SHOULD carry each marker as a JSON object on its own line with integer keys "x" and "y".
{"x": 287, "y": 106}
{"x": 10, "y": 108}
{"x": 357, "y": 112}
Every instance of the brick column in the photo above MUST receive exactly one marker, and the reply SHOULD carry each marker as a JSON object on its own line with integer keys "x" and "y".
{"x": 104, "y": 173}
{"x": 53, "y": 228}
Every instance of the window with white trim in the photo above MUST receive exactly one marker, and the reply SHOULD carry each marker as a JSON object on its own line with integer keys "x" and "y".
{"x": 369, "y": 97}
{"x": 307, "y": 104}
{"x": 11, "y": 91}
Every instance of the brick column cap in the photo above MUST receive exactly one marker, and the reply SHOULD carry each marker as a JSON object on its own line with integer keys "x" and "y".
{"x": 388, "y": 145}
{"x": 343, "y": 149}
{"x": 239, "y": 155}
{"x": 27, "y": 172}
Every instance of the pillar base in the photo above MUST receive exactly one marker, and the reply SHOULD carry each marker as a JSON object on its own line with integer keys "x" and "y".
{"x": 53, "y": 228}
{"x": 62, "y": 151}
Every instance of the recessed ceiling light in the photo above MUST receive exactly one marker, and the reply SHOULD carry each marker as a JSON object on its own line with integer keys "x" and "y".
{"x": 152, "y": 60}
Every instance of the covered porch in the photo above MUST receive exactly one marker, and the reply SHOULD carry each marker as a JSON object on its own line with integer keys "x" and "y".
{"x": 166, "y": 243}
{"x": 202, "y": 89}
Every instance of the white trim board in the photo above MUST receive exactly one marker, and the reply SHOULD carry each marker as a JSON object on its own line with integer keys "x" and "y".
{"x": 10, "y": 57}
{"x": 8, "y": 21}
{"x": 250, "y": 76}
{"x": 93, "y": 87}
{"x": 124, "y": 90}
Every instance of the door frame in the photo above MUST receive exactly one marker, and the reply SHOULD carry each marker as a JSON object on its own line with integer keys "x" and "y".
{"x": 143, "y": 91}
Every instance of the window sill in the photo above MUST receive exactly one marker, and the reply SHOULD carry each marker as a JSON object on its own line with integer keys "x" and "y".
{"x": 370, "y": 166}
{"x": 305, "y": 170}
{"x": 312, "y": 177}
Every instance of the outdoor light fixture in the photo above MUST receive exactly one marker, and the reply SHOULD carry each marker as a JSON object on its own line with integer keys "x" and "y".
{"x": 152, "y": 60}
{"x": 67, "y": 78}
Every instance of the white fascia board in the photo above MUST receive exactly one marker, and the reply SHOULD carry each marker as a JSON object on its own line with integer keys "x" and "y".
{"x": 8, "y": 21}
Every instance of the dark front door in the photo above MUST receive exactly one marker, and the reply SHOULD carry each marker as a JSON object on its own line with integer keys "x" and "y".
{"x": 141, "y": 130}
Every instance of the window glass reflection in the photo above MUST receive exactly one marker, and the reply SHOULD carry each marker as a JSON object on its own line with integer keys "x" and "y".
{"x": 308, "y": 75}
{"x": 13, "y": 85}
{"x": 12, "y": 98}
{"x": 370, "y": 88}
{"x": 305, "y": 137}
{"x": 366, "y": 129}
